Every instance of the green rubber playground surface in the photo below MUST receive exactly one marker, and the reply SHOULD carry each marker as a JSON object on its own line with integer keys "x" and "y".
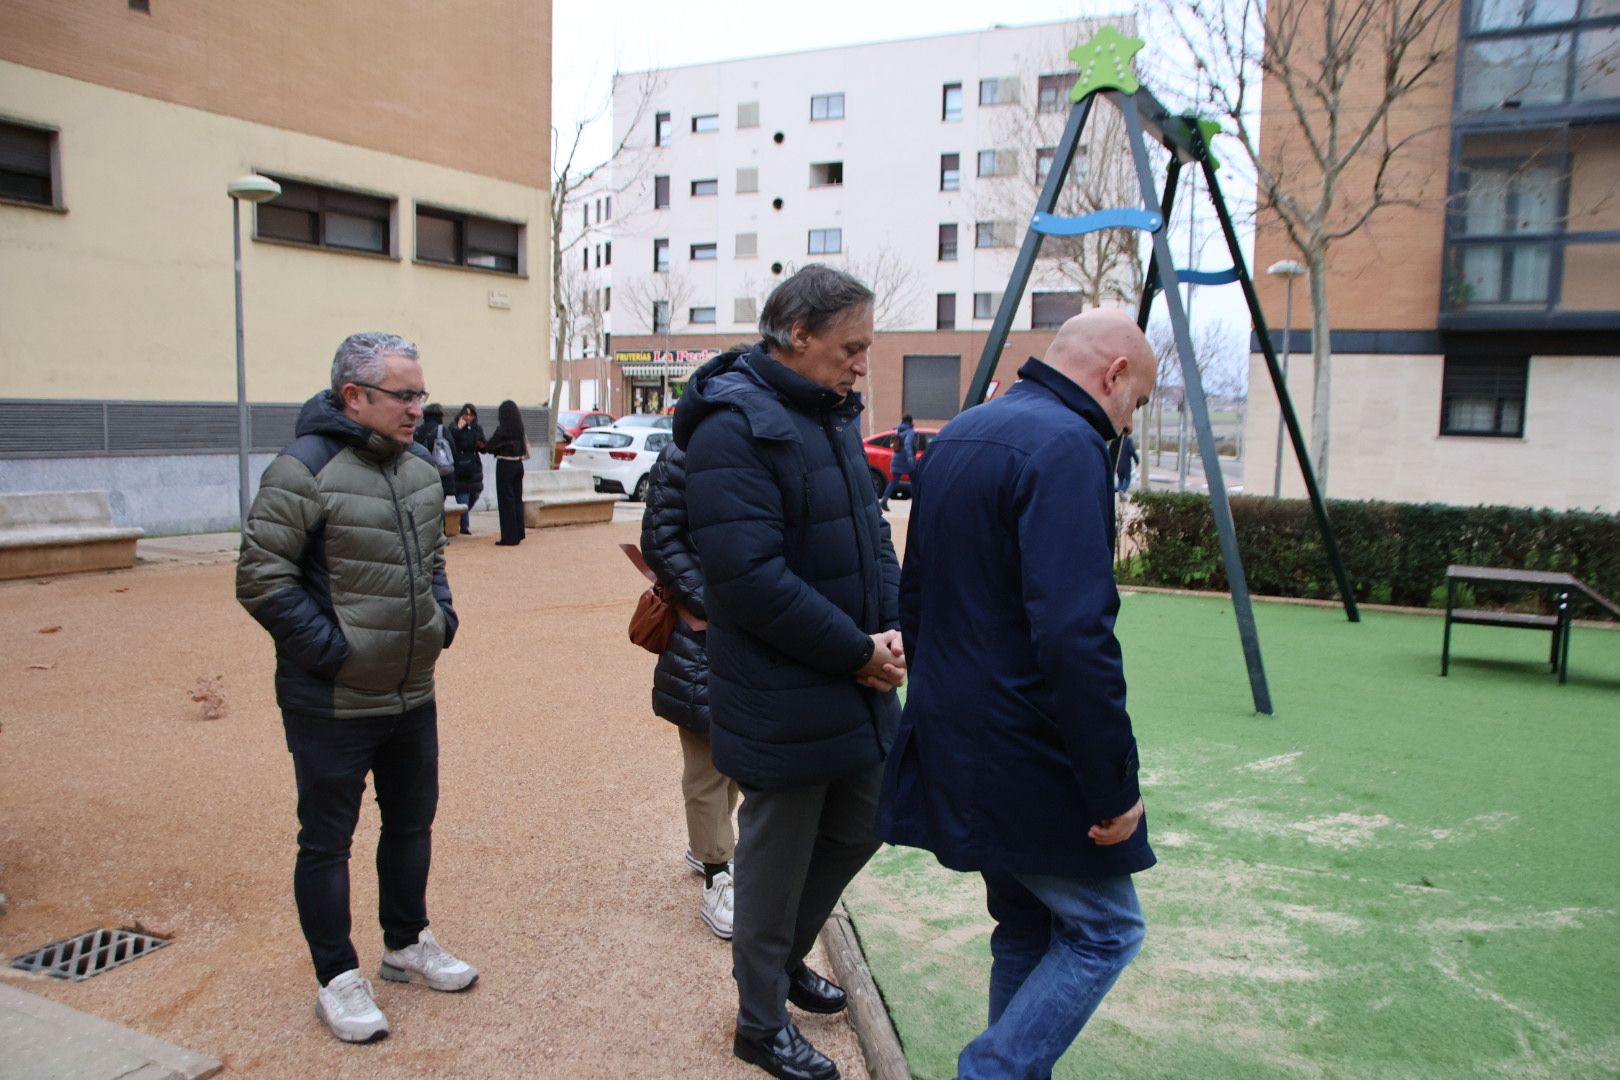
{"x": 1398, "y": 875}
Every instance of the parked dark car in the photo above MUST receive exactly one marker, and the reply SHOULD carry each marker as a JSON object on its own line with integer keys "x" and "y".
{"x": 880, "y": 452}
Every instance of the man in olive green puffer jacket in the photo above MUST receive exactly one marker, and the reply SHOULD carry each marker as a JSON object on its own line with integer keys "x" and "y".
{"x": 343, "y": 563}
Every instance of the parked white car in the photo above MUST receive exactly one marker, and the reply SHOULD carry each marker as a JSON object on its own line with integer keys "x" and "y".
{"x": 619, "y": 459}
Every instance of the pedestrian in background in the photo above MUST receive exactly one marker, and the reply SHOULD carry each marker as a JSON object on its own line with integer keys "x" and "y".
{"x": 510, "y": 448}
{"x": 1122, "y": 467}
{"x": 904, "y": 460}
{"x": 428, "y": 436}
{"x": 468, "y": 436}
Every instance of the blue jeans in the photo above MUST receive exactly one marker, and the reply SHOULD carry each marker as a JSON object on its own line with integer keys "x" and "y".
{"x": 1058, "y": 947}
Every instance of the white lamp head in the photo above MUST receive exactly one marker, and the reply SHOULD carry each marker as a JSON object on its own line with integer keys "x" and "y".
{"x": 253, "y": 188}
{"x": 1288, "y": 268}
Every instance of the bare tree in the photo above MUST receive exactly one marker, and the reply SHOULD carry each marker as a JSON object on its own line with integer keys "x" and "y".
{"x": 569, "y": 181}
{"x": 670, "y": 288}
{"x": 892, "y": 279}
{"x": 1336, "y": 69}
{"x": 1105, "y": 266}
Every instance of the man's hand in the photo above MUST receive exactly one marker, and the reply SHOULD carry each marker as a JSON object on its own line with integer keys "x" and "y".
{"x": 886, "y": 670}
{"x": 1113, "y": 830}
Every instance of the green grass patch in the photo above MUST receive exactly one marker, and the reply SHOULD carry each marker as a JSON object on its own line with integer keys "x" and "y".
{"x": 1398, "y": 875}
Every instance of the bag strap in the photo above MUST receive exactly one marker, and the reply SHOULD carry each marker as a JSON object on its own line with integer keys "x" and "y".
{"x": 633, "y": 553}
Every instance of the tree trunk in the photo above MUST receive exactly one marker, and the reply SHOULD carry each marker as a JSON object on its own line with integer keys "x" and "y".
{"x": 1322, "y": 365}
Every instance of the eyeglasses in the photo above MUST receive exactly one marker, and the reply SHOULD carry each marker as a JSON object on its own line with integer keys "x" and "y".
{"x": 404, "y": 397}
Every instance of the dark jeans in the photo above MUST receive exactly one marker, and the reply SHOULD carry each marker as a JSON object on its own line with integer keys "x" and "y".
{"x": 509, "y": 499}
{"x": 797, "y": 848}
{"x": 468, "y": 493}
{"x": 330, "y": 761}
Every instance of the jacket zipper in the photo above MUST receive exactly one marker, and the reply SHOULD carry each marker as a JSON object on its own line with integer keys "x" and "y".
{"x": 410, "y": 583}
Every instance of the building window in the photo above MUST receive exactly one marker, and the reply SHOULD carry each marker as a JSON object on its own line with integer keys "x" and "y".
{"x": 1520, "y": 205}
{"x": 457, "y": 239}
{"x": 945, "y": 311}
{"x": 931, "y": 386}
{"x": 660, "y": 193}
{"x": 827, "y": 107}
{"x": 704, "y": 252}
{"x": 998, "y": 162}
{"x": 705, "y": 187}
{"x": 826, "y": 241}
{"x": 1050, "y": 310}
{"x": 607, "y": 205}
{"x": 707, "y": 122}
{"x": 947, "y": 243}
{"x": 599, "y": 256}
{"x": 586, "y": 223}
{"x": 1044, "y": 156}
{"x": 950, "y": 172}
{"x": 984, "y": 305}
{"x": 747, "y": 114}
{"x": 327, "y": 217}
{"x": 744, "y": 310}
{"x": 1484, "y": 396}
{"x": 663, "y": 130}
{"x": 998, "y": 91}
{"x": 660, "y": 256}
{"x": 585, "y": 263}
{"x": 992, "y": 234}
{"x": 747, "y": 180}
{"x": 951, "y": 109}
{"x": 27, "y": 165}
{"x": 700, "y": 315}
{"x": 1052, "y": 95}
{"x": 660, "y": 318}
{"x": 607, "y": 298}
{"x": 747, "y": 245}
{"x": 826, "y": 173}
{"x": 142, "y": 6}
{"x": 607, "y": 253}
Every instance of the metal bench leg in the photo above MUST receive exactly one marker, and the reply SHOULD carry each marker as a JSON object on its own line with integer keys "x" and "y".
{"x": 1567, "y": 623}
{"x": 1445, "y": 646}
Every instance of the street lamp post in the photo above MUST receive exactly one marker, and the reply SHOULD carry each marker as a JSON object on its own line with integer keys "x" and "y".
{"x": 1288, "y": 270}
{"x": 252, "y": 188}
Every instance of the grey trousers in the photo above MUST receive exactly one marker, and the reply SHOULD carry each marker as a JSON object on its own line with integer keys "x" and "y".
{"x": 796, "y": 851}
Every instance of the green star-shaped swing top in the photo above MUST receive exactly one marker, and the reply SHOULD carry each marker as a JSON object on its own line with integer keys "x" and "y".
{"x": 1106, "y": 63}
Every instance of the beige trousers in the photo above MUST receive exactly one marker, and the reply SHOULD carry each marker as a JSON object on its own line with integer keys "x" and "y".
{"x": 710, "y": 801}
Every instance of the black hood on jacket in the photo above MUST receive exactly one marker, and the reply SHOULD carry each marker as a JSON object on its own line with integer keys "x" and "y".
{"x": 760, "y": 387}
{"x": 321, "y": 415}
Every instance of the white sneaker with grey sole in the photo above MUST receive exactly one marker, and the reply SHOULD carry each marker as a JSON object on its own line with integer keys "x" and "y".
{"x": 428, "y": 964}
{"x": 350, "y": 1010}
{"x": 717, "y": 905}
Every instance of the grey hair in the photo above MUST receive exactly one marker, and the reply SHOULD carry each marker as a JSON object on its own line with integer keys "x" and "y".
{"x": 360, "y": 358}
{"x": 816, "y": 296}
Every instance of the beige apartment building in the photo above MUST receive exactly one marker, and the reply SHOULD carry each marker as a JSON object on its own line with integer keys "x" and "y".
{"x": 1476, "y": 336}
{"x": 411, "y": 144}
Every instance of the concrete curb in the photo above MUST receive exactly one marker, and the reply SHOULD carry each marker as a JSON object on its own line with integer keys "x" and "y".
{"x": 880, "y": 1044}
{"x": 48, "y": 1041}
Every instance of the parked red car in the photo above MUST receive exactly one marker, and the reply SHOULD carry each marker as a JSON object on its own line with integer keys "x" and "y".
{"x": 880, "y": 451}
{"x": 570, "y": 422}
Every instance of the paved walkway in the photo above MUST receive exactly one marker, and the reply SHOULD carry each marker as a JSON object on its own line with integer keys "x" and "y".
{"x": 557, "y": 861}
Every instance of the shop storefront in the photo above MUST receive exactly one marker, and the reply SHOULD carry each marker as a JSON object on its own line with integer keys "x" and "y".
{"x": 654, "y": 378}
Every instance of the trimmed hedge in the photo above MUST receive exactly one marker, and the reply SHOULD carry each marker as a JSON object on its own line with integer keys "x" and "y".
{"x": 1395, "y": 553}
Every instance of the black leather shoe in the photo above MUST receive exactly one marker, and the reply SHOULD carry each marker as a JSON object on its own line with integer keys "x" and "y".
{"x": 814, "y": 994}
{"x": 786, "y": 1054}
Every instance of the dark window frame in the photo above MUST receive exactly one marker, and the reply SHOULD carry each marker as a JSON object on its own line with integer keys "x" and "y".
{"x": 663, "y": 129}
{"x": 702, "y": 119}
{"x": 828, "y": 98}
{"x": 468, "y": 248}
{"x": 945, "y": 114}
{"x": 660, "y": 193}
{"x": 947, "y": 170}
{"x": 949, "y": 244}
{"x": 945, "y": 311}
{"x": 29, "y": 175}
{"x": 1052, "y": 91}
{"x": 711, "y": 188}
{"x": 1503, "y": 379}
{"x": 323, "y": 195}
{"x": 660, "y": 247}
{"x": 1072, "y": 301}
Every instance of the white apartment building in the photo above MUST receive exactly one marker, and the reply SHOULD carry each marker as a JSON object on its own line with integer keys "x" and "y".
{"x": 913, "y": 164}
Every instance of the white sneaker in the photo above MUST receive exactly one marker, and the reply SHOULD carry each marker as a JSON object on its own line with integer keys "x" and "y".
{"x": 717, "y": 905}
{"x": 349, "y": 1010}
{"x": 427, "y": 963}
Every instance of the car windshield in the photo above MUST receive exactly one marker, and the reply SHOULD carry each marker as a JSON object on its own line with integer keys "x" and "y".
{"x": 602, "y": 440}
{"x": 569, "y": 419}
{"x": 652, "y": 420}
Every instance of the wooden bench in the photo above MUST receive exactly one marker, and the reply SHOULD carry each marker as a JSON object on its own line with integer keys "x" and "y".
{"x": 61, "y": 532}
{"x": 564, "y": 497}
{"x": 453, "y": 509}
{"x": 1565, "y": 588}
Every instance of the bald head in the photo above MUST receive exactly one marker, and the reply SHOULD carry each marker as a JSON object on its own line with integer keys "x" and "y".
{"x": 1104, "y": 353}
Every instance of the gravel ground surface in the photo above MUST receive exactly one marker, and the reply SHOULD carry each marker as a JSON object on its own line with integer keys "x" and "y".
{"x": 557, "y": 868}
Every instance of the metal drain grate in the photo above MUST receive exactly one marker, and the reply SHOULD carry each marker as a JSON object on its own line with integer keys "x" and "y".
{"x": 88, "y": 954}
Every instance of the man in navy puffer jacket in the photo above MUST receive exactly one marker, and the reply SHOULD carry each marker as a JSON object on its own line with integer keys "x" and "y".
{"x": 801, "y": 585}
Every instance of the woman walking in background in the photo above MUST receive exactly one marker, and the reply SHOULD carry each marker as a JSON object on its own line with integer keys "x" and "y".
{"x": 427, "y": 434}
{"x": 680, "y": 691}
{"x": 510, "y": 447}
{"x": 468, "y": 437}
